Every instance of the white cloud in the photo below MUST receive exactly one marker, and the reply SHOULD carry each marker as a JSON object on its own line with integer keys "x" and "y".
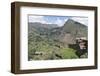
{"x": 60, "y": 22}
{"x": 36, "y": 19}
{"x": 81, "y": 20}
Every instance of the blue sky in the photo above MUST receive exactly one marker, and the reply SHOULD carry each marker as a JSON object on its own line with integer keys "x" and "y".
{"x": 59, "y": 20}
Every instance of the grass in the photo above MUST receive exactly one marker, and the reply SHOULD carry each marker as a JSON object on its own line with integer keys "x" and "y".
{"x": 49, "y": 51}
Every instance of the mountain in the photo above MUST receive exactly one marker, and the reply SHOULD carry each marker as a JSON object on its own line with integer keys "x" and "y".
{"x": 66, "y": 34}
{"x": 40, "y": 26}
{"x": 69, "y": 32}
{"x": 75, "y": 28}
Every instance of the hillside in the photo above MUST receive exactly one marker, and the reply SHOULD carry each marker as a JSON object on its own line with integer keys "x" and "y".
{"x": 49, "y": 41}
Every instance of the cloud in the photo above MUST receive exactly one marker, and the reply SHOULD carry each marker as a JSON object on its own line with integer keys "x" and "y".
{"x": 60, "y": 22}
{"x": 83, "y": 20}
{"x": 37, "y": 19}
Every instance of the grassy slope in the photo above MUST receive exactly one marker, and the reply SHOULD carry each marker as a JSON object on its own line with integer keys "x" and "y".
{"x": 48, "y": 48}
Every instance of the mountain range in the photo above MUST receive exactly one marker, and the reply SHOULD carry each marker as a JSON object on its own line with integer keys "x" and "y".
{"x": 67, "y": 33}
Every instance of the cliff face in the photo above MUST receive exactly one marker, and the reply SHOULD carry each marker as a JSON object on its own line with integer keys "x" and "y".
{"x": 75, "y": 28}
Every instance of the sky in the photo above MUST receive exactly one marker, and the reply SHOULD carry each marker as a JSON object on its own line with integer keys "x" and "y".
{"x": 59, "y": 20}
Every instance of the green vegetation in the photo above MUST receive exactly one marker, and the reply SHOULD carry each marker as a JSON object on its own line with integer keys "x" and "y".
{"x": 68, "y": 53}
{"x": 48, "y": 48}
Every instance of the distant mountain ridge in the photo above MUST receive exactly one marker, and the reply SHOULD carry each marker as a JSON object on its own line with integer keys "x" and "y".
{"x": 37, "y": 25}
